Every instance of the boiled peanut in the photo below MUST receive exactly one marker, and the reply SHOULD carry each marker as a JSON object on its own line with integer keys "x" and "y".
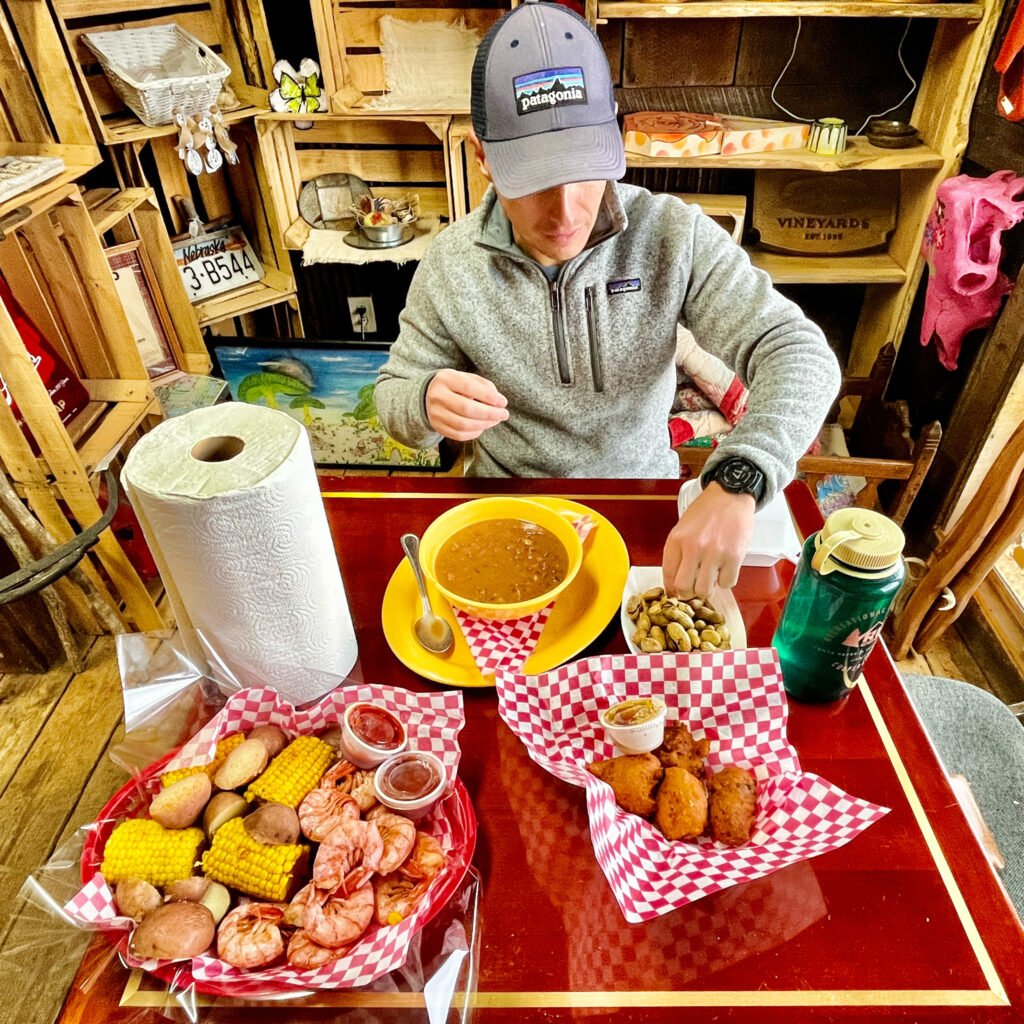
{"x": 639, "y": 635}
{"x": 723, "y": 631}
{"x": 643, "y": 621}
{"x": 650, "y": 646}
{"x": 715, "y": 618}
{"x": 654, "y": 594}
{"x": 694, "y": 637}
{"x": 705, "y": 646}
{"x": 711, "y": 635}
{"x": 680, "y": 616}
{"x": 700, "y": 624}
{"x": 678, "y": 634}
{"x": 657, "y": 633}
{"x": 634, "y": 605}
{"x": 658, "y": 619}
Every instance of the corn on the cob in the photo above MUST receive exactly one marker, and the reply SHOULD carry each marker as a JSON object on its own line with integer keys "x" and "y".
{"x": 143, "y": 848}
{"x": 270, "y": 872}
{"x": 224, "y": 747}
{"x": 294, "y": 772}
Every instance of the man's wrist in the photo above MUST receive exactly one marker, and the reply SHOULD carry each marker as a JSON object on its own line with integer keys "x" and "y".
{"x": 737, "y": 475}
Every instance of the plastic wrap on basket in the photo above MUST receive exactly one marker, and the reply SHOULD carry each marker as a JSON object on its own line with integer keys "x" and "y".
{"x": 169, "y": 704}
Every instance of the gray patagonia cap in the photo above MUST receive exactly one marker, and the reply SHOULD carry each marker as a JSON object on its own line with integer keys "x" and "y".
{"x": 543, "y": 105}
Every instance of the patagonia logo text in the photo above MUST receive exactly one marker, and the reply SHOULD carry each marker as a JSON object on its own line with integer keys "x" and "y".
{"x": 631, "y": 284}
{"x": 544, "y": 90}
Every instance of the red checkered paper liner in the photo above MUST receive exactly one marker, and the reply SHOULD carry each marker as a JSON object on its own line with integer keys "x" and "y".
{"x": 735, "y": 700}
{"x": 433, "y": 722}
{"x": 507, "y": 644}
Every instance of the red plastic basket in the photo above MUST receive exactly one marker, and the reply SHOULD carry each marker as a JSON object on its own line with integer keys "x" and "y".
{"x": 132, "y": 800}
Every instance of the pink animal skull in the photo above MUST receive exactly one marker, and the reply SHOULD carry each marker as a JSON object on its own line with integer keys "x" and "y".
{"x": 963, "y": 247}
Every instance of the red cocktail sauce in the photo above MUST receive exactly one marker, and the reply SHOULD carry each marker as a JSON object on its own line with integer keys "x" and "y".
{"x": 376, "y": 727}
{"x": 410, "y": 778}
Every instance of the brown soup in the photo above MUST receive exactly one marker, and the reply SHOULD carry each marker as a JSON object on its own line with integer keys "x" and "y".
{"x": 501, "y": 561}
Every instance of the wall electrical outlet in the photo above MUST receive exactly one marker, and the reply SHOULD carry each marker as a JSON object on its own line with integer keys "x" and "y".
{"x": 369, "y": 324}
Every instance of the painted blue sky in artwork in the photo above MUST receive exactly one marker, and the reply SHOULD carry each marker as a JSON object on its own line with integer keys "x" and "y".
{"x": 338, "y": 373}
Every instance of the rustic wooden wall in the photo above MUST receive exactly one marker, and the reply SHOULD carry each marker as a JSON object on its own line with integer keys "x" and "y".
{"x": 968, "y": 399}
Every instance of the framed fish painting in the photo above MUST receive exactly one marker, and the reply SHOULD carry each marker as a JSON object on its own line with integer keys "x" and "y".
{"x": 328, "y": 387}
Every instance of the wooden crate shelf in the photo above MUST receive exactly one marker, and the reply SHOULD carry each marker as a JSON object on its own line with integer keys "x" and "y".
{"x": 863, "y": 268}
{"x": 242, "y": 43}
{"x": 58, "y": 270}
{"x": 789, "y": 9}
{"x": 77, "y": 161}
{"x": 102, "y": 428}
{"x": 860, "y": 155}
{"x": 394, "y": 155}
{"x": 348, "y": 38}
{"x": 126, "y": 127}
{"x": 109, "y": 206}
{"x": 273, "y": 288}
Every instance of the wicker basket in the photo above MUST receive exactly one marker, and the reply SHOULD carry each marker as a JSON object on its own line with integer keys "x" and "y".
{"x": 124, "y": 56}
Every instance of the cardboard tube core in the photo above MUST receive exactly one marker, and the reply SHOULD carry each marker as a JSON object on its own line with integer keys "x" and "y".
{"x": 217, "y": 449}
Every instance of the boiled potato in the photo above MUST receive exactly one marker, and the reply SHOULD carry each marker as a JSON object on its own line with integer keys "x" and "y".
{"x": 223, "y": 807}
{"x": 174, "y": 931}
{"x": 179, "y": 804}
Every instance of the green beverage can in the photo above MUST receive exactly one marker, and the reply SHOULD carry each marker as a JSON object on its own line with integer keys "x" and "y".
{"x": 847, "y": 578}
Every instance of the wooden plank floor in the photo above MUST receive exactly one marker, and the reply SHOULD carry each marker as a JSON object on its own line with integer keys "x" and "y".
{"x": 55, "y": 775}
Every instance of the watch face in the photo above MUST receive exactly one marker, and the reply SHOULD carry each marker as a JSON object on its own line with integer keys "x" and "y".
{"x": 740, "y": 477}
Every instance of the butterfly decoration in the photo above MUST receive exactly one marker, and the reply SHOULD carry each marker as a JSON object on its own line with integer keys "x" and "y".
{"x": 297, "y": 91}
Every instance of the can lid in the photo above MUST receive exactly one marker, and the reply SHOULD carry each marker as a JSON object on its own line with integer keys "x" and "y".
{"x": 860, "y": 539}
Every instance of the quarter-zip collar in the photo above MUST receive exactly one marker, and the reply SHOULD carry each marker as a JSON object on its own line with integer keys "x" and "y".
{"x": 496, "y": 236}
{"x": 496, "y": 230}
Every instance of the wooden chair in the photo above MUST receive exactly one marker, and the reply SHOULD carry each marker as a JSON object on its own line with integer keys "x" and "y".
{"x": 994, "y": 517}
{"x": 881, "y": 446}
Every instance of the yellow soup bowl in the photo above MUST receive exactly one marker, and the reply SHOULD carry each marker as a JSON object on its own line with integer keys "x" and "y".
{"x": 480, "y": 510}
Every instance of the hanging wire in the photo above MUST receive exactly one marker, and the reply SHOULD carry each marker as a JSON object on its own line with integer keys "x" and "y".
{"x": 870, "y": 117}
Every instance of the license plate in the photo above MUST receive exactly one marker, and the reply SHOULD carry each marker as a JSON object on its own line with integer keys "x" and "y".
{"x": 216, "y": 262}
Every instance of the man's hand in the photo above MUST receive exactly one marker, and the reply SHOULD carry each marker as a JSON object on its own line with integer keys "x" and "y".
{"x": 462, "y": 405}
{"x": 706, "y": 547}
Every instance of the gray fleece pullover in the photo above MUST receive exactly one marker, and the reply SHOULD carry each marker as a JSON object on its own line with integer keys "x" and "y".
{"x": 587, "y": 361}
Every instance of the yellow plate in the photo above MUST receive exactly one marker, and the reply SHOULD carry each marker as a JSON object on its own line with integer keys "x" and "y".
{"x": 586, "y": 606}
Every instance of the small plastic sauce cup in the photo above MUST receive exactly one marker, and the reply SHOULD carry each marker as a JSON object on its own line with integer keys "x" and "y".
{"x": 410, "y": 783}
{"x": 635, "y": 726}
{"x": 370, "y": 734}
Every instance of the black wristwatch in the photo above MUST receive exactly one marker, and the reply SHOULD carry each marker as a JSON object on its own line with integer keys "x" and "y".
{"x": 738, "y": 476}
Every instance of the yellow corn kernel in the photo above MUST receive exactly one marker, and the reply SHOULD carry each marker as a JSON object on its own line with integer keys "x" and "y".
{"x": 293, "y": 773}
{"x": 270, "y": 872}
{"x": 143, "y": 848}
{"x": 224, "y": 747}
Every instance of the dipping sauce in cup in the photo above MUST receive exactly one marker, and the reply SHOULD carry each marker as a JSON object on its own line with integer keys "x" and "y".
{"x": 637, "y": 725}
{"x": 370, "y": 734}
{"x": 410, "y": 783}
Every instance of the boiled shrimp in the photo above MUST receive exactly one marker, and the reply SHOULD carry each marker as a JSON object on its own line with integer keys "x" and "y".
{"x": 249, "y": 936}
{"x": 333, "y": 921}
{"x": 294, "y": 911}
{"x": 307, "y": 955}
{"x": 348, "y": 857}
{"x": 327, "y": 806}
{"x": 395, "y": 897}
{"x": 361, "y": 789}
{"x": 399, "y": 836}
{"x": 426, "y": 860}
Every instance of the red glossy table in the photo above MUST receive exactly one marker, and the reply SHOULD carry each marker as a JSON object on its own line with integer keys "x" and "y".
{"x": 906, "y": 922}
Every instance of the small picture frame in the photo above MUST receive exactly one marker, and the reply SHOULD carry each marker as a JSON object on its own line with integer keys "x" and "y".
{"x": 327, "y": 386}
{"x": 144, "y": 306}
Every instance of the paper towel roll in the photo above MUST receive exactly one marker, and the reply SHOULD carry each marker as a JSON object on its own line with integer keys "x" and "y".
{"x": 229, "y": 502}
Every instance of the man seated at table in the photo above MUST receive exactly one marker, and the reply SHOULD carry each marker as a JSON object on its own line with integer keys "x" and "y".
{"x": 541, "y": 328}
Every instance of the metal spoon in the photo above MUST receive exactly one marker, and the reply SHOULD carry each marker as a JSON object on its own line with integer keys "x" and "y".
{"x": 431, "y": 630}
